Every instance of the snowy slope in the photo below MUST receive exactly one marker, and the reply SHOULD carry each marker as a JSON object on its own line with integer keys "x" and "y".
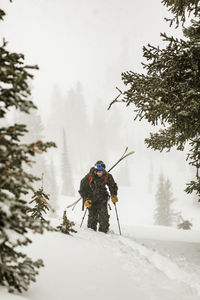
{"x": 154, "y": 263}
{"x": 146, "y": 263}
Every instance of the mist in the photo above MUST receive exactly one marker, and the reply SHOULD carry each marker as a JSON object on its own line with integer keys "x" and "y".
{"x": 81, "y": 48}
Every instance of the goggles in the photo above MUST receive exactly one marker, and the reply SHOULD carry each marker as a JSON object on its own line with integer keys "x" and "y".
{"x": 100, "y": 167}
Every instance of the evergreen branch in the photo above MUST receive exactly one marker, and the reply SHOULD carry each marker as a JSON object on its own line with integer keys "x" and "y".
{"x": 44, "y": 201}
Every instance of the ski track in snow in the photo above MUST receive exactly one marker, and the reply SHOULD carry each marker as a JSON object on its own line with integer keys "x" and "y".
{"x": 147, "y": 267}
{"x": 165, "y": 264}
{"x": 97, "y": 266}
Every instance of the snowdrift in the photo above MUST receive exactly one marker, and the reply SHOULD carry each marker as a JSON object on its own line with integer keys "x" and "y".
{"x": 145, "y": 263}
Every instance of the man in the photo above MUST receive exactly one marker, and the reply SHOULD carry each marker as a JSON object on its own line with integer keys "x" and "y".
{"x": 95, "y": 196}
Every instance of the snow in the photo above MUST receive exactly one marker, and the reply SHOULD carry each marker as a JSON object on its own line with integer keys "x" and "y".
{"x": 4, "y": 295}
{"x": 145, "y": 263}
{"x": 5, "y": 207}
{"x": 14, "y": 236}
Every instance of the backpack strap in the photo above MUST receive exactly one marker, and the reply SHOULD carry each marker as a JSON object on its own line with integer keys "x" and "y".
{"x": 106, "y": 178}
{"x": 90, "y": 179}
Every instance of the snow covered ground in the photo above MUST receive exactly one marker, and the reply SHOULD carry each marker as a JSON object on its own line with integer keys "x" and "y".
{"x": 145, "y": 263}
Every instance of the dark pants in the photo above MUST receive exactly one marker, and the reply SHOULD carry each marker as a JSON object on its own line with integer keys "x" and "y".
{"x": 98, "y": 214}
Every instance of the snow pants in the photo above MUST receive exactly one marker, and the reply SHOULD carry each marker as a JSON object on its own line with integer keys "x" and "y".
{"x": 98, "y": 214}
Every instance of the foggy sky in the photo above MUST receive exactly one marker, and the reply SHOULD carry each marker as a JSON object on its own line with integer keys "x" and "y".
{"x": 91, "y": 41}
{"x": 86, "y": 41}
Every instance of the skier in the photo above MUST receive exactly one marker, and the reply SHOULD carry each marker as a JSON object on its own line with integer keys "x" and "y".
{"x": 95, "y": 196}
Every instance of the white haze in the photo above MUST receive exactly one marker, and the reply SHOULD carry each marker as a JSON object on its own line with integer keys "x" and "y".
{"x": 84, "y": 46}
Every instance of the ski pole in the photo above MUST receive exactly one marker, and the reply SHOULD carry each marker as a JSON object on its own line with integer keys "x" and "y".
{"x": 83, "y": 217}
{"x": 74, "y": 203}
{"x": 117, "y": 218}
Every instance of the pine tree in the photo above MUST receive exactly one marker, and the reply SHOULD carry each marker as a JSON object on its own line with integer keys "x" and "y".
{"x": 78, "y": 128}
{"x": 17, "y": 270}
{"x": 100, "y": 132}
{"x": 185, "y": 224}
{"x": 33, "y": 123}
{"x": 67, "y": 188}
{"x": 41, "y": 207}
{"x": 168, "y": 93}
{"x": 180, "y": 8}
{"x": 66, "y": 226}
{"x": 123, "y": 177}
{"x": 51, "y": 186}
{"x": 150, "y": 178}
{"x": 164, "y": 214}
{"x": 35, "y": 132}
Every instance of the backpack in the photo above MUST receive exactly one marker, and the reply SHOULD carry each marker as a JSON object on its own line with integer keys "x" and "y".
{"x": 90, "y": 183}
{"x": 91, "y": 178}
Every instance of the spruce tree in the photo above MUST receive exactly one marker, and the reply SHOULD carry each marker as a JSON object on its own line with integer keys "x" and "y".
{"x": 168, "y": 92}
{"x": 185, "y": 224}
{"x": 150, "y": 178}
{"x": 160, "y": 203}
{"x": 35, "y": 132}
{"x": 123, "y": 177}
{"x": 17, "y": 270}
{"x": 76, "y": 124}
{"x": 40, "y": 207}
{"x": 51, "y": 186}
{"x": 67, "y": 187}
{"x": 164, "y": 214}
{"x": 66, "y": 226}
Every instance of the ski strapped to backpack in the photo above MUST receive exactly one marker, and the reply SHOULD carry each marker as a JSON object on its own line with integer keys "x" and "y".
{"x": 124, "y": 155}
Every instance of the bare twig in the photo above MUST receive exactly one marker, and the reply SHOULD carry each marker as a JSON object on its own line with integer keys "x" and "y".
{"x": 115, "y": 100}
{"x": 42, "y": 178}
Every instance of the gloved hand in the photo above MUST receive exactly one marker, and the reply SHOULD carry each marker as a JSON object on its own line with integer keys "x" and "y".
{"x": 114, "y": 199}
{"x": 88, "y": 203}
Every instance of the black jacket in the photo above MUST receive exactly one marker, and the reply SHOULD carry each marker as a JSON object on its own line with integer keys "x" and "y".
{"x": 97, "y": 191}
